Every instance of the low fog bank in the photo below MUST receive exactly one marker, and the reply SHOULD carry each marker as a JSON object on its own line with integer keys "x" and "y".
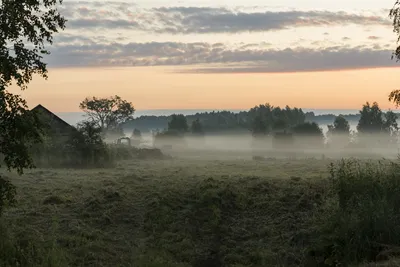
{"x": 245, "y": 146}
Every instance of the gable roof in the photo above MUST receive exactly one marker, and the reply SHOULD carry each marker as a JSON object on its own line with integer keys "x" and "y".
{"x": 54, "y": 116}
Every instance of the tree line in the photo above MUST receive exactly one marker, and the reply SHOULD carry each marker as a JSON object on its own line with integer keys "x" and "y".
{"x": 111, "y": 115}
{"x": 222, "y": 121}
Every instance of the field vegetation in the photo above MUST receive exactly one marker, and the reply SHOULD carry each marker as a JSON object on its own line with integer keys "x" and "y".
{"x": 180, "y": 212}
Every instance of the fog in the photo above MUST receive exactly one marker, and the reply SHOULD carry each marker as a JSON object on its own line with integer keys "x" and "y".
{"x": 244, "y": 146}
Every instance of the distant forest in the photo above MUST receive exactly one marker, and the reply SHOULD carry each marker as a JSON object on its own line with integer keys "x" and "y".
{"x": 224, "y": 121}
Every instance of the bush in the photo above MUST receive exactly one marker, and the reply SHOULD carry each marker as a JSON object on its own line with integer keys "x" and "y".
{"x": 150, "y": 153}
{"x": 82, "y": 148}
{"x": 169, "y": 137}
{"x": 7, "y": 194}
{"x": 308, "y": 134}
{"x": 122, "y": 152}
{"x": 361, "y": 220}
{"x": 28, "y": 249}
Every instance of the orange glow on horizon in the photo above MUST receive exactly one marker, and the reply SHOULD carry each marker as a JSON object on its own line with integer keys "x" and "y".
{"x": 159, "y": 88}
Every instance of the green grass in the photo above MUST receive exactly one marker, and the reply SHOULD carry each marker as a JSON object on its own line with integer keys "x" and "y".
{"x": 197, "y": 213}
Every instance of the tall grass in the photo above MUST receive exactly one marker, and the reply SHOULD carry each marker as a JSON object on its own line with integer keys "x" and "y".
{"x": 187, "y": 216}
{"x": 361, "y": 220}
{"x": 24, "y": 249}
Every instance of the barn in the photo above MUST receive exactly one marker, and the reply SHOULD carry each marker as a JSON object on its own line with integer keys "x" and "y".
{"x": 54, "y": 125}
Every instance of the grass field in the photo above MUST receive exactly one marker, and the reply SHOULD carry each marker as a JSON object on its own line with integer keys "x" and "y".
{"x": 179, "y": 213}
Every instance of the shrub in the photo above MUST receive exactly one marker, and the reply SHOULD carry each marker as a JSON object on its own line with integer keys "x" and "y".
{"x": 82, "y": 148}
{"x": 25, "y": 248}
{"x": 308, "y": 134}
{"x": 361, "y": 220}
{"x": 150, "y": 153}
{"x": 122, "y": 152}
{"x": 7, "y": 194}
{"x": 169, "y": 137}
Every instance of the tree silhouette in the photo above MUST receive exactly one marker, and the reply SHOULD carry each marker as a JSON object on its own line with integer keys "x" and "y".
{"x": 197, "y": 127}
{"x": 308, "y": 134}
{"x": 178, "y": 123}
{"x": 108, "y": 113}
{"x": 394, "y": 14}
{"x": 375, "y": 123}
{"x": 137, "y": 134}
{"x": 339, "y": 132}
{"x": 340, "y": 126}
{"x": 308, "y": 129}
{"x": 390, "y": 125}
{"x": 371, "y": 120}
{"x": 260, "y": 126}
{"x": 87, "y": 144}
{"x": 266, "y": 119}
{"x": 26, "y": 28}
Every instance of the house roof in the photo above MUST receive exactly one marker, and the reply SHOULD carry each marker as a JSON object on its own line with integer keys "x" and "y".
{"x": 54, "y": 116}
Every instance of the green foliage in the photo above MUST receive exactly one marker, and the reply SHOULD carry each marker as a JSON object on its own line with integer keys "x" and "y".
{"x": 178, "y": 123}
{"x": 394, "y": 96}
{"x": 175, "y": 133}
{"x": 372, "y": 120}
{"x": 360, "y": 222}
{"x": 25, "y": 29}
{"x": 308, "y": 129}
{"x": 340, "y": 126}
{"x": 394, "y": 14}
{"x": 390, "y": 124}
{"x": 207, "y": 213}
{"x": 23, "y": 249}
{"x": 88, "y": 146}
{"x": 169, "y": 134}
{"x": 260, "y": 126}
{"x": 169, "y": 138}
{"x": 19, "y": 130}
{"x": 232, "y": 222}
{"x": 26, "y": 26}
{"x": 339, "y": 132}
{"x": 375, "y": 122}
{"x": 197, "y": 127}
{"x": 243, "y": 121}
{"x": 308, "y": 135}
{"x": 266, "y": 118}
{"x": 122, "y": 152}
{"x": 84, "y": 147}
{"x": 7, "y": 194}
{"x": 108, "y": 113}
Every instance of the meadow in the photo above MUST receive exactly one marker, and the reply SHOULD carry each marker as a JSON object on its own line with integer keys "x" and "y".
{"x": 206, "y": 212}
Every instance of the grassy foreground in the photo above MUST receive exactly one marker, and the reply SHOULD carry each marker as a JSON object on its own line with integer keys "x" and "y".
{"x": 206, "y": 213}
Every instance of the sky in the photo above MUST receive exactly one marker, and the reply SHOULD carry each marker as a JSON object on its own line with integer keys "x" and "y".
{"x": 203, "y": 54}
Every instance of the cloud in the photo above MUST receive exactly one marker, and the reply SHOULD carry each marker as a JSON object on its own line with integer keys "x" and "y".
{"x": 307, "y": 60}
{"x": 373, "y": 37}
{"x": 190, "y": 20}
{"x": 216, "y": 20}
{"x": 346, "y": 38}
{"x": 239, "y": 58}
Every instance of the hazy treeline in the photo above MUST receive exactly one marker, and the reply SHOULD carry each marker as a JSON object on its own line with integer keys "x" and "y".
{"x": 287, "y": 130}
{"x": 224, "y": 121}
